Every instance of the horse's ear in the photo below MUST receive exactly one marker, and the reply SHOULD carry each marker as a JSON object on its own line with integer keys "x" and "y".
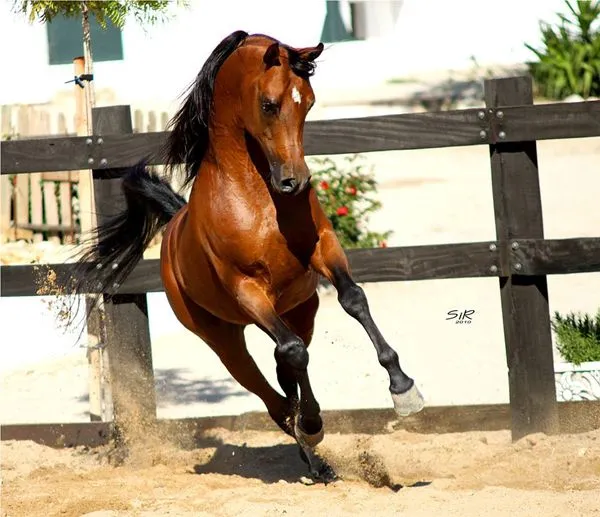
{"x": 271, "y": 57}
{"x": 310, "y": 53}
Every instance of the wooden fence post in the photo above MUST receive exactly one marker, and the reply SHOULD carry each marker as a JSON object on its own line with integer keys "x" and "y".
{"x": 525, "y": 311}
{"x": 126, "y": 316}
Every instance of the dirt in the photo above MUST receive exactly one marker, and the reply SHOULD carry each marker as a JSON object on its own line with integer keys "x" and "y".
{"x": 222, "y": 473}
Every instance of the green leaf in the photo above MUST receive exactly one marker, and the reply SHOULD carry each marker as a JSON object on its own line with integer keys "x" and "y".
{"x": 145, "y": 12}
{"x": 569, "y": 58}
{"x": 577, "y": 337}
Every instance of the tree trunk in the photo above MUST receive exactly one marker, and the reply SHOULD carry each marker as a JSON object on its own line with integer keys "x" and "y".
{"x": 97, "y": 356}
{"x": 90, "y": 96}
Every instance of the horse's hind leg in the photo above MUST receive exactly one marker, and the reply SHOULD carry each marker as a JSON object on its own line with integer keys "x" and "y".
{"x": 228, "y": 342}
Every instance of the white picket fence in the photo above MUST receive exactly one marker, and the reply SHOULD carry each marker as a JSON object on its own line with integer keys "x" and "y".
{"x": 44, "y": 206}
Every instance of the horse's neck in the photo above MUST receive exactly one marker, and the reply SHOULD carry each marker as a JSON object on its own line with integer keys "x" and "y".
{"x": 228, "y": 158}
{"x": 229, "y": 166}
{"x": 229, "y": 177}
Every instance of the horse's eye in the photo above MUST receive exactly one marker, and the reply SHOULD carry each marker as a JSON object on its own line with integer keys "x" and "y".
{"x": 269, "y": 107}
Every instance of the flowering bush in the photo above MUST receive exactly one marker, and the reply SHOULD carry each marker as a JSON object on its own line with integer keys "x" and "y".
{"x": 345, "y": 192}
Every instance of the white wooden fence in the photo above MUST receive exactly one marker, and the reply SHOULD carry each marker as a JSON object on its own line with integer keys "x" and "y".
{"x": 44, "y": 206}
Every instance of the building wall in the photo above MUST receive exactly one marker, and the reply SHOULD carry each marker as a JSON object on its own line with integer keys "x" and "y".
{"x": 405, "y": 38}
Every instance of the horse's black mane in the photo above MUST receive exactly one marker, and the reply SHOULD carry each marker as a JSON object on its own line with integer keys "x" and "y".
{"x": 188, "y": 141}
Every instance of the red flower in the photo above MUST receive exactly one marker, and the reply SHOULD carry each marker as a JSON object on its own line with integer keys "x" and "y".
{"x": 351, "y": 190}
{"x": 383, "y": 244}
{"x": 324, "y": 185}
{"x": 342, "y": 210}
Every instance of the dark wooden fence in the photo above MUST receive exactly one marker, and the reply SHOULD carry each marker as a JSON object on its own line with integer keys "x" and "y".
{"x": 519, "y": 256}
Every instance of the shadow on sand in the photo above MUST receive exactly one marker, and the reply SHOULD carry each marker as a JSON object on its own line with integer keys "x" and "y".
{"x": 174, "y": 387}
{"x": 270, "y": 464}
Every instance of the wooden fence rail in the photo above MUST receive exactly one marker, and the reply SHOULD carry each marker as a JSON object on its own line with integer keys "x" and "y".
{"x": 520, "y": 256}
{"x": 437, "y": 261}
{"x": 327, "y": 137}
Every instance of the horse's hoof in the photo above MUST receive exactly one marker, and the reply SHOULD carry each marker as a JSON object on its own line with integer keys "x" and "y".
{"x": 325, "y": 473}
{"x": 409, "y": 402}
{"x": 305, "y": 439}
{"x": 318, "y": 469}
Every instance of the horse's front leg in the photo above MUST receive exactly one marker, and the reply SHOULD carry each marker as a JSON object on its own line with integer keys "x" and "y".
{"x": 330, "y": 260}
{"x": 291, "y": 355}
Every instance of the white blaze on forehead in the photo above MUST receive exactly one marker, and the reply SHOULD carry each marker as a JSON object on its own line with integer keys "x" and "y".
{"x": 296, "y": 95}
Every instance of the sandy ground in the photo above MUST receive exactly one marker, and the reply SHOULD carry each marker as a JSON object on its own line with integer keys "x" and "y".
{"x": 259, "y": 473}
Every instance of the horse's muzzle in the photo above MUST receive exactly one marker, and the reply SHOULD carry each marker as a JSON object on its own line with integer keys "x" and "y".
{"x": 289, "y": 186}
{"x": 287, "y": 181}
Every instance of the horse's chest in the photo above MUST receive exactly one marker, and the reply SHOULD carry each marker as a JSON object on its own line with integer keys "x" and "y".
{"x": 272, "y": 244}
{"x": 277, "y": 264}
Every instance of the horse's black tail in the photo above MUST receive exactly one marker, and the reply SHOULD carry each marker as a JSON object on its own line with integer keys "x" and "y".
{"x": 115, "y": 247}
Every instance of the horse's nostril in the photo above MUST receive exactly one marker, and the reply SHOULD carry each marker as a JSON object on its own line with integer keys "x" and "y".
{"x": 288, "y": 184}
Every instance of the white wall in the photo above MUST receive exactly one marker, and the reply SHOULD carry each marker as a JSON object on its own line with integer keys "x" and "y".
{"x": 427, "y": 35}
{"x": 159, "y": 63}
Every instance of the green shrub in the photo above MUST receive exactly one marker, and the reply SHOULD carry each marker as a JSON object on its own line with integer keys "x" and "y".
{"x": 346, "y": 194}
{"x": 569, "y": 60}
{"x": 578, "y": 337}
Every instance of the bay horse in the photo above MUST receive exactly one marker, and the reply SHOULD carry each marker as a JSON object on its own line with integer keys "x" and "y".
{"x": 249, "y": 245}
